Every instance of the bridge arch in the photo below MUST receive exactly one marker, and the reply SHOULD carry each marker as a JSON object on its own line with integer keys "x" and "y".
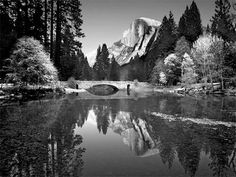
{"x": 103, "y": 89}
{"x": 121, "y": 85}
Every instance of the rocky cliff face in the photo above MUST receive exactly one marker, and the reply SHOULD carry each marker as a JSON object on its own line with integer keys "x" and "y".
{"x": 137, "y": 40}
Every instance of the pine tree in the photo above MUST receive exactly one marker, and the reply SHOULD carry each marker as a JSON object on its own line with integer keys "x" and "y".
{"x": 194, "y": 24}
{"x": 58, "y": 34}
{"x": 46, "y": 23}
{"x": 190, "y": 23}
{"x": 68, "y": 13}
{"x": 167, "y": 35}
{"x": 96, "y": 64}
{"x": 38, "y": 23}
{"x": 7, "y": 34}
{"x": 101, "y": 66}
{"x": 182, "y": 28}
{"x": 51, "y": 29}
{"x": 222, "y": 25}
{"x": 114, "y": 73}
{"x": 86, "y": 70}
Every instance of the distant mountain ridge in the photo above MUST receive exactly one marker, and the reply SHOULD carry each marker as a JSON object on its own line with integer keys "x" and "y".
{"x": 137, "y": 40}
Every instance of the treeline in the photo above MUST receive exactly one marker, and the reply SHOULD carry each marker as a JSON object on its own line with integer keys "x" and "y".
{"x": 104, "y": 67}
{"x": 189, "y": 53}
{"x": 56, "y": 24}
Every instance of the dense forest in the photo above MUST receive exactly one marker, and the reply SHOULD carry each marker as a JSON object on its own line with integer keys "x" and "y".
{"x": 55, "y": 24}
{"x": 184, "y": 53}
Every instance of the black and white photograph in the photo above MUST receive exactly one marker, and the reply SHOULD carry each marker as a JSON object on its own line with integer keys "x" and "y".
{"x": 117, "y": 88}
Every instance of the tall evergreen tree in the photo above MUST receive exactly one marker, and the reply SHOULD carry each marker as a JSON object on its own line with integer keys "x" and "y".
{"x": 182, "y": 23}
{"x": 38, "y": 24}
{"x": 114, "y": 72}
{"x": 68, "y": 15}
{"x": 46, "y": 23}
{"x": 101, "y": 66}
{"x": 58, "y": 34}
{"x": 190, "y": 25}
{"x": 222, "y": 25}
{"x": 7, "y": 34}
{"x": 51, "y": 28}
{"x": 194, "y": 23}
{"x": 167, "y": 35}
{"x": 86, "y": 70}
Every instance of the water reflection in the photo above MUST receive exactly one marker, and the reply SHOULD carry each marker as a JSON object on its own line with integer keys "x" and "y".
{"x": 37, "y": 139}
{"x": 44, "y": 138}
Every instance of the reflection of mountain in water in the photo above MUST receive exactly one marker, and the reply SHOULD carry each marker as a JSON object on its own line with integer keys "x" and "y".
{"x": 147, "y": 135}
{"x": 135, "y": 134}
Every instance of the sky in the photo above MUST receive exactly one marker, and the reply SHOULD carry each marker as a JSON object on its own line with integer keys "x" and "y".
{"x": 104, "y": 21}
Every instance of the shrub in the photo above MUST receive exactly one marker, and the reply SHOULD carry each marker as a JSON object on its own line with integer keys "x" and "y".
{"x": 30, "y": 64}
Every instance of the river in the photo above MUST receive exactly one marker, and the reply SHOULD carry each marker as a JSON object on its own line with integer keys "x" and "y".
{"x": 152, "y": 135}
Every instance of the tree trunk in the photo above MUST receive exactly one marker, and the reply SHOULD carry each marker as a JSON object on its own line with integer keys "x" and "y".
{"x": 51, "y": 32}
{"x": 58, "y": 35}
{"x": 46, "y": 23}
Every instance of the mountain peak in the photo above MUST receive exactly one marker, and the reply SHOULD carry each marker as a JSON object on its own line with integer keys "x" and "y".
{"x": 136, "y": 40}
{"x": 151, "y": 22}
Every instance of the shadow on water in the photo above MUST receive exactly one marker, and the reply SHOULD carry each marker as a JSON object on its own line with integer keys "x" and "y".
{"x": 103, "y": 90}
{"x": 42, "y": 138}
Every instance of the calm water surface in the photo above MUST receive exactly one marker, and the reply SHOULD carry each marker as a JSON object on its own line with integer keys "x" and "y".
{"x": 73, "y": 136}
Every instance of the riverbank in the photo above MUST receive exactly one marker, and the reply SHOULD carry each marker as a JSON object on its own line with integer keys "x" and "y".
{"x": 11, "y": 93}
{"x": 197, "y": 89}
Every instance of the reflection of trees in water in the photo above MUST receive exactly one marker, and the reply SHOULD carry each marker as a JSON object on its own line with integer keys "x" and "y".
{"x": 189, "y": 140}
{"x": 185, "y": 141}
{"x": 34, "y": 143}
{"x": 221, "y": 148}
{"x": 39, "y": 139}
{"x": 188, "y": 152}
{"x": 102, "y": 114}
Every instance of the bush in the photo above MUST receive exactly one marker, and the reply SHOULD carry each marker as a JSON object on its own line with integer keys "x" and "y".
{"x": 30, "y": 64}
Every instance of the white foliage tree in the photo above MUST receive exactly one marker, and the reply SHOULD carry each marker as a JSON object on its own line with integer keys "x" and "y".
{"x": 173, "y": 72}
{"x": 188, "y": 70}
{"x": 203, "y": 55}
{"x": 30, "y": 64}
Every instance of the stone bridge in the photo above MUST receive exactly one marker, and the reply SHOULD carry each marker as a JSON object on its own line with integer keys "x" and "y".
{"x": 121, "y": 85}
